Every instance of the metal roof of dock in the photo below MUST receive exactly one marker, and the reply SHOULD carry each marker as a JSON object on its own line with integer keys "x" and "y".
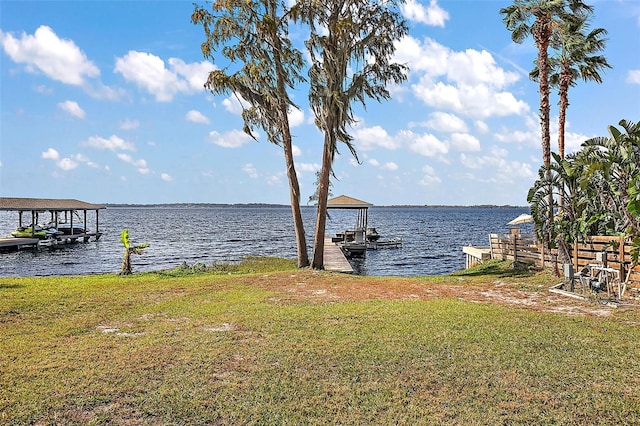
{"x": 344, "y": 202}
{"x": 50, "y": 204}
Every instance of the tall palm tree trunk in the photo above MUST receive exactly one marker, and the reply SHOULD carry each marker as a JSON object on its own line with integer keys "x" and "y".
{"x": 563, "y": 91}
{"x": 542, "y": 36}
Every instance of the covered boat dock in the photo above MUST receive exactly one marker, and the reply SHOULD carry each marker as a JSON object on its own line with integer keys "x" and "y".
{"x": 353, "y": 243}
{"x": 61, "y": 216}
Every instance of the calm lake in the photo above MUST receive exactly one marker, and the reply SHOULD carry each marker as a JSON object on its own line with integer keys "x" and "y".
{"x": 432, "y": 237}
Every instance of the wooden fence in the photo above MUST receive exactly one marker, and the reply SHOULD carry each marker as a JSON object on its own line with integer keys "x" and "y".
{"x": 526, "y": 248}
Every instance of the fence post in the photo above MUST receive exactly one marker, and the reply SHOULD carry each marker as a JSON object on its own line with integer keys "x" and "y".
{"x": 622, "y": 267}
{"x": 491, "y": 245}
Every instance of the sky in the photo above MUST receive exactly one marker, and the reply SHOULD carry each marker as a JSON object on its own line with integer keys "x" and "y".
{"x": 104, "y": 101}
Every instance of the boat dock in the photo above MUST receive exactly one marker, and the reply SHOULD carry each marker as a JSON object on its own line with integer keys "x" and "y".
{"x": 61, "y": 227}
{"x": 334, "y": 258}
{"x": 18, "y": 243}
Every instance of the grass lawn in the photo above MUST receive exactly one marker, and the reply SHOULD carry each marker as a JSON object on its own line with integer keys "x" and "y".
{"x": 265, "y": 343}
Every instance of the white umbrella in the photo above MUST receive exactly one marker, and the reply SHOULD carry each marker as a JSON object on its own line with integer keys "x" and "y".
{"x": 523, "y": 218}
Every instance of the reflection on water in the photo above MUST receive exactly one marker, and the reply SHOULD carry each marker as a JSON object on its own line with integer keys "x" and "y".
{"x": 432, "y": 238}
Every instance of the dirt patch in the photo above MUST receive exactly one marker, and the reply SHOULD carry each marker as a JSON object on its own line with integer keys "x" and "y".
{"x": 321, "y": 287}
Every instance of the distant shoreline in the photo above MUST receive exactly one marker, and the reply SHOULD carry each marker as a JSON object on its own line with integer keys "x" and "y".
{"x": 267, "y": 205}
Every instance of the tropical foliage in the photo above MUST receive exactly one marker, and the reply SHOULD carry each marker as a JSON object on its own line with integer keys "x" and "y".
{"x": 567, "y": 51}
{"x": 601, "y": 188}
{"x": 128, "y": 251}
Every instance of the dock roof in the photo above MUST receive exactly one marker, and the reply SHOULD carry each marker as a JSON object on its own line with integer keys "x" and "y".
{"x": 345, "y": 202}
{"x": 18, "y": 204}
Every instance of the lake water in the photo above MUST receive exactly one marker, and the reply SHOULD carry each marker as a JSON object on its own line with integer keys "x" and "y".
{"x": 432, "y": 238}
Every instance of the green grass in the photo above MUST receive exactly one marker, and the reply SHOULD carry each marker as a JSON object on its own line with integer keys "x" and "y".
{"x": 212, "y": 348}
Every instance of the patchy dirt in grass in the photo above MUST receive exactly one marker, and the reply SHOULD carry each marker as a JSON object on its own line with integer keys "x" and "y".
{"x": 321, "y": 287}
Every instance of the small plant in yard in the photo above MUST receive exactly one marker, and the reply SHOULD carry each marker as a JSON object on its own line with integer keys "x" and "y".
{"x": 128, "y": 250}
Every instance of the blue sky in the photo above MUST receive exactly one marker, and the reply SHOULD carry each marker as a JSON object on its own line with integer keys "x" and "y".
{"x": 103, "y": 101}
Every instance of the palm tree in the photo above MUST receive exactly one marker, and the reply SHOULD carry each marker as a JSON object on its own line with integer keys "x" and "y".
{"x": 128, "y": 251}
{"x": 255, "y": 33}
{"x": 542, "y": 19}
{"x": 577, "y": 59}
{"x": 350, "y": 46}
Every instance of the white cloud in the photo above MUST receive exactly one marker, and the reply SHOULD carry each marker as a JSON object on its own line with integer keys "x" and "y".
{"x": 72, "y": 108}
{"x": 464, "y": 142}
{"x": 275, "y": 179}
{"x": 481, "y": 126}
{"x": 368, "y": 138}
{"x": 432, "y": 15}
{"x": 445, "y": 122}
{"x": 497, "y": 168}
{"x": 307, "y": 167}
{"x": 296, "y": 117}
{"x": 391, "y": 166}
{"x": 113, "y": 143}
{"x": 81, "y": 158}
{"x": 296, "y": 150}
{"x": 374, "y": 162}
{"x": 250, "y": 170}
{"x": 195, "y": 74}
{"x": 429, "y": 176}
{"x": 425, "y": 144}
{"x": 633, "y": 77}
{"x": 466, "y": 82}
{"x": 129, "y": 124}
{"x": 233, "y": 104}
{"x": 62, "y": 163}
{"x": 166, "y": 177}
{"x": 232, "y": 139}
{"x": 140, "y": 164}
{"x": 51, "y": 154}
{"x": 197, "y": 117}
{"x": 478, "y": 101}
{"x": 528, "y": 135}
{"x": 67, "y": 164}
{"x": 148, "y": 71}
{"x": 44, "y": 51}
{"x": 40, "y": 88}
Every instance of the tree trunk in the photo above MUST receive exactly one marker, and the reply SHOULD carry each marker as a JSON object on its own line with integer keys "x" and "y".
{"x": 542, "y": 36}
{"x": 565, "y": 78}
{"x": 126, "y": 263}
{"x": 294, "y": 187}
{"x": 545, "y": 108}
{"x": 323, "y": 194}
{"x": 294, "y": 191}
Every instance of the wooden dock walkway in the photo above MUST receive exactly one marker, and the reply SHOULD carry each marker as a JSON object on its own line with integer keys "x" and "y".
{"x": 334, "y": 259}
{"x": 17, "y": 243}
